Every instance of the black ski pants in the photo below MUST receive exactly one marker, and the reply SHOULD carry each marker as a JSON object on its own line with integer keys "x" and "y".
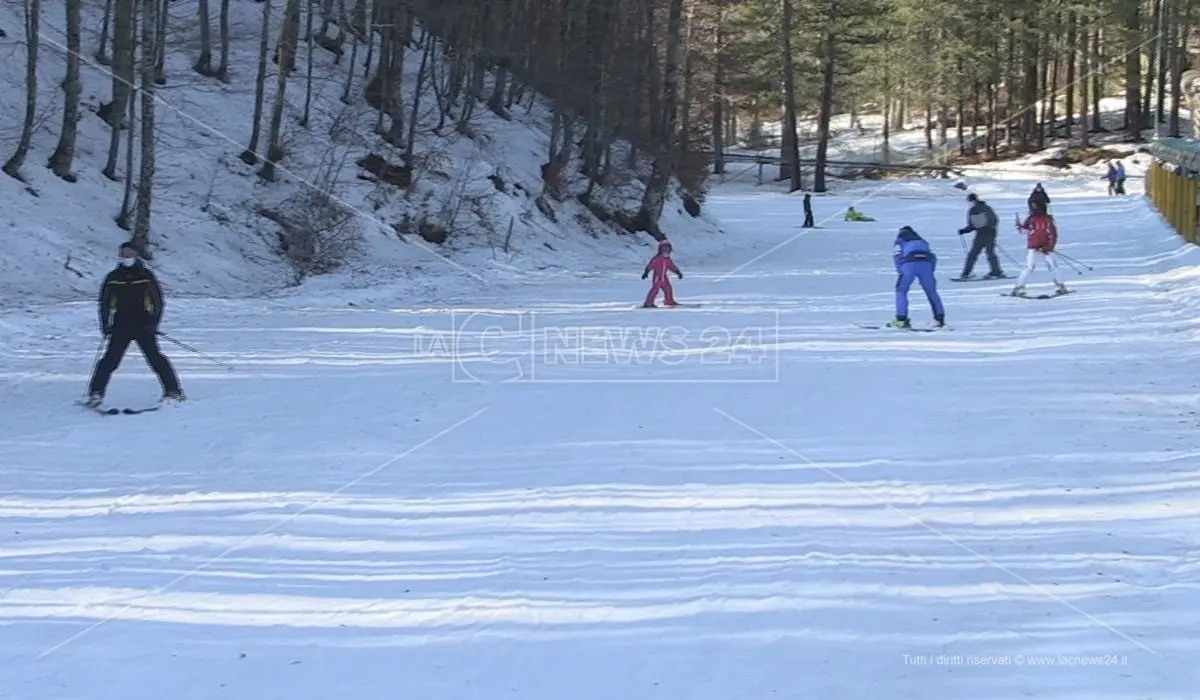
{"x": 985, "y": 241}
{"x": 808, "y": 218}
{"x": 147, "y": 342}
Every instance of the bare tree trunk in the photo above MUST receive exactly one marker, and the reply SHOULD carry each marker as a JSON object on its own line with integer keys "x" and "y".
{"x": 663, "y": 168}
{"x": 151, "y": 38}
{"x": 825, "y": 112}
{"x": 1084, "y": 61}
{"x": 160, "y": 50}
{"x": 286, "y": 52}
{"x": 718, "y": 97}
{"x": 1162, "y": 62}
{"x": 1097, "y": 91}
{"x": 1179, "y": 57}
{"x": 222, "y": 72}
{"x": 203, "y": 64}
{"x": 1069, "y": 57}
{"x": 791, "y": 159}
{"x": 122, "y": 80}
{"x": 101, "y": 54}
{"x": 124, "y": 218}
{"x": 308, "y": 76}
{"x": 64, "y": 153}
{"x": 427, "y": 57}
{"x": 33, "y": 14}
{"x": 350, "y": 70}
{"x": 886, "y": 103}
{"x": 250, "y": 155}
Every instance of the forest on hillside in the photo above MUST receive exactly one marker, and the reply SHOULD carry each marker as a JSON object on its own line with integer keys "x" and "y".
{"x": 678, "y": 82}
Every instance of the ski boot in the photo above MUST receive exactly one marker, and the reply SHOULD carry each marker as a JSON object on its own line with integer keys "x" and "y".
{"x": 899, "y": 322}
{"x": 1018, "y": 291}
{"x": 173, "y": 398}
{"x": 1060, "y": 288}
{"x": 94, "y": 400}
{"x": 994, "y": 275}
{"x": 939, "y": 321}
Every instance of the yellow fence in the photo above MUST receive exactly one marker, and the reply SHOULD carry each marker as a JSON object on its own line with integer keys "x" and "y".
{"x": 1172, "y": 184}
{"x": 1175, "y": 198}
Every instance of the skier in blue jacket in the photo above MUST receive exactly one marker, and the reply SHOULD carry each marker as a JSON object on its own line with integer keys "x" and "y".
{"x": 915, "y": 260}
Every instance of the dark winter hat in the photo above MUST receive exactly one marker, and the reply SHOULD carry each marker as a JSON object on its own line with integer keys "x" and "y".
{"x": 972, "y": 197}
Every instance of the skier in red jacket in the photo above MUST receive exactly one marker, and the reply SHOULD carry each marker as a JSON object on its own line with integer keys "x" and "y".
{"x": 1042, "y": 236}
{"x": 660, "y": 265}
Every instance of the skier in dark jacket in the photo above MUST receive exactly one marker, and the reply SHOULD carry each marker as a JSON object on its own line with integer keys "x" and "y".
{"x": 808, "y": 212}
{"x": 1039, "y": 200}
{"x": 982, "y": 220}
{"x": 131, "y": 307}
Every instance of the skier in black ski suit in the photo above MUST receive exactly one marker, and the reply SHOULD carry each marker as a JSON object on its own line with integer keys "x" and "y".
{"x": 982, "y": 220}
{"x": 1039, "y": 200}
{"x": 131, "y": 306}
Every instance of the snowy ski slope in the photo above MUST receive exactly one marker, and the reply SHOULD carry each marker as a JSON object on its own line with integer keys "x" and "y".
{"x": 495, "y": 498}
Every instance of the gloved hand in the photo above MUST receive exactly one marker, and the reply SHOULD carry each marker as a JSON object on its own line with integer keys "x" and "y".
{"x": 963, "y": 231}
{"x": 105, "y": 331}
{"x": 645, "y": 275}
{"x": 680, "y": 275}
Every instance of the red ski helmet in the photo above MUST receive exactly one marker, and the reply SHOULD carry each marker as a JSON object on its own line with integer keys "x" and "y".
{"x": 664, "y": 246}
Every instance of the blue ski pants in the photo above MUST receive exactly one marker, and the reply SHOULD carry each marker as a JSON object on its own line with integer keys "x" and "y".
{"x": 920, "y": 271}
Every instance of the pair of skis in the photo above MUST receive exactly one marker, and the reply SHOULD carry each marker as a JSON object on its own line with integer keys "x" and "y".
{"x": 1041, "y": 296}
{"x": 916, "y": 329}
{"x": 110, "y": 411}
{"x": 980, "y": 279}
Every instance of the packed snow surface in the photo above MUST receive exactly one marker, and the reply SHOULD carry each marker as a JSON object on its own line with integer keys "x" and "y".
{"x": 547, "y": 493}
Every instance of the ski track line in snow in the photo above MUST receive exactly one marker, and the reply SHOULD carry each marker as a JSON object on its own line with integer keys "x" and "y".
{"x": 276, "y": 524}
{"x": 925, "y": 523}
{"x": 601, "y": 532}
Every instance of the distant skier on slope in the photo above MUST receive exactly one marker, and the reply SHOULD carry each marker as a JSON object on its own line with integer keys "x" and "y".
{"x": 131, "y": 307}
{"x": 1038, "y": 199}
{"x": 915, "y": 260}
{"x": 660, "y": 265}
{"x": 981, "y": 219}
{"x": 1042, "y": 238}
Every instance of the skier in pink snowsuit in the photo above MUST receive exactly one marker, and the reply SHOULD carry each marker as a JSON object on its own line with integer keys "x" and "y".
{"x": 660, "y": 265}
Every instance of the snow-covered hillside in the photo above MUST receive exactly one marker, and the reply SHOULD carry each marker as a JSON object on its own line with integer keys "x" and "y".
{"x": 209, "y": 235}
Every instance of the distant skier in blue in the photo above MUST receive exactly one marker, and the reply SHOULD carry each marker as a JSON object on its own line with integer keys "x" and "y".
{"x": 915, "y": 260}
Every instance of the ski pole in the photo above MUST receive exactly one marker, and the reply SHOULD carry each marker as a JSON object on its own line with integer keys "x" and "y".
{"x": 1064, "y": 256}
{"x": 1068, "y": 262}
{"x": 196, "y": 352}
{"x": 95, "y": 364}
{"x": 1010, "y": 258}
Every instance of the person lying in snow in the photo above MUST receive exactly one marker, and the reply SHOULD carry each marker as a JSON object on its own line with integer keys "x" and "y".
{"x": 660, "y": 265}
{"x": 853, "y": 214}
